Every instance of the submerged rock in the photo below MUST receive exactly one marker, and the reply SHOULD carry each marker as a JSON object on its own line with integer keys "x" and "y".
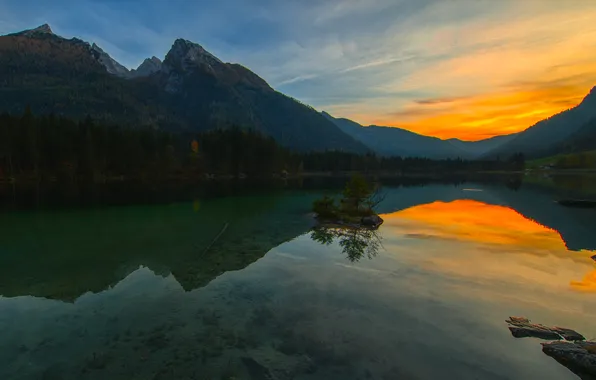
{"x": 371, "y": 221}
{"x": 568, "y": 347}
{"x": 521, "y": 327}
{"x": 578, "y": 357}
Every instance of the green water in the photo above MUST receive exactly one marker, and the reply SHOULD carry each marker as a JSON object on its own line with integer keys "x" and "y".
{"x": 241, "y": 287}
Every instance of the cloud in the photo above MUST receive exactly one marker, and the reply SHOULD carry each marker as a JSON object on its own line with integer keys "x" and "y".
{"x": 449, "y": 68}
{"x": 433, "y": 101}
{"x": 382, "y": 62}
{"x": 299, "y": 78}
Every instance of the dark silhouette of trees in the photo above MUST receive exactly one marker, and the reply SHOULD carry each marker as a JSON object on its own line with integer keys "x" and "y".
{"x": 55, "y": 148}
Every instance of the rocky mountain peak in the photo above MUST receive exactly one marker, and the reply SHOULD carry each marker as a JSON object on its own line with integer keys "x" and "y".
{"x": 186, "y": 55}
{"x": 148, "y": 67}
{"x": 45, "y": 28}
{"x": 40, "y": 30}
{"x": 112, "y": 66}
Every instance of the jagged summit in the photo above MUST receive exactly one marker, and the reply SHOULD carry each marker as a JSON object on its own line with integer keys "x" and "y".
{"x": 193, "y": 91}
{"x": 45, "y": 28}
{"x": 185, "y": 55}
{"x": 111, "y": 65}
{"x": 148, "y": 67}
{"x": 40, "y": 30}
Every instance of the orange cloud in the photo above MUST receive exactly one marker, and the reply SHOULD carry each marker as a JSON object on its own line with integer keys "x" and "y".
{"x": 485, "y": 116}
{"x": 501, "y": 74}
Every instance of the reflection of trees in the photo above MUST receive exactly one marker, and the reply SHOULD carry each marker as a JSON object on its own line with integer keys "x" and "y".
{"x": 356, "y": 242}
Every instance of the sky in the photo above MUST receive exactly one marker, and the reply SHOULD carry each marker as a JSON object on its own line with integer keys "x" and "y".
{"x": 469, "y": 69}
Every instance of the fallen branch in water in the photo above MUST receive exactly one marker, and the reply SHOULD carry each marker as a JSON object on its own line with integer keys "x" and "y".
{"x": 224, "y": 228}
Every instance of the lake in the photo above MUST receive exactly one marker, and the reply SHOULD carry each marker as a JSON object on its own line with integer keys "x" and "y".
{"x": 243, "y": 287}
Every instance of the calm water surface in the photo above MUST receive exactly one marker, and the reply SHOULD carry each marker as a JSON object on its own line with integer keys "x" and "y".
{"x": 243, "y": 288}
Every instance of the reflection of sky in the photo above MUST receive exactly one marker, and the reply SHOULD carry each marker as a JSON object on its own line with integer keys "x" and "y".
{"x": 431, "y": 304}
{"x": 481, "y": 223}
{"x": 587, "y": 284}
{"x": 502, "y": 242}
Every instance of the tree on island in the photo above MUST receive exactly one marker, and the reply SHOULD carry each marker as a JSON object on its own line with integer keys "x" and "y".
{"x": 355, "y": 207}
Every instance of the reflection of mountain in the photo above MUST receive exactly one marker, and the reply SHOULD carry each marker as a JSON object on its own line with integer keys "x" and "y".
{"x": 65, "y": 254}
{"x": 576, "y": 226}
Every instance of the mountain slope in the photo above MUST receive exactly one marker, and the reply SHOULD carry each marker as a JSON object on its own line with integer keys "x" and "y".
{"x": 53, "y": 74}
{"x": 148, "y": 67}
{"x": 540, "y": 139}
{"x": 478, "y": 148}
{"x": 390, "y": 141}
{"x": 111, "y": 65}
{"x": 191, "y": 90}
{"x": 581, "y": 141}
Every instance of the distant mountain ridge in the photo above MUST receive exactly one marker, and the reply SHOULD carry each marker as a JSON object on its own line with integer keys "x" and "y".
{"x": 544, "y": 137}
{"x": 191, "y": 90}
{"x": 392, "y": 141}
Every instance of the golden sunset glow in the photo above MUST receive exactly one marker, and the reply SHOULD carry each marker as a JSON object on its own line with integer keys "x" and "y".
{"x": 498, "y": 72}
{"x": 482, "y": 223}
{"x": 497, "y": 241}
{"x": 482, "y": 117}
{"x": 588, "y": 284}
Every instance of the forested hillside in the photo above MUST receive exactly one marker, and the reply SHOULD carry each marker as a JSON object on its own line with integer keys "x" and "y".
{"x": 191, "y": 91}
{"x": 55, "y": 148}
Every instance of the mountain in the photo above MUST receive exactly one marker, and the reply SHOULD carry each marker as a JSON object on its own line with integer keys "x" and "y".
{"x": 480, "y": 147}
{"x": 543, "y": 137}
{"x": 39, "y": 31}
{"x": 111, "y": 65}
{"x": 148, "y": 67}
{"x": 390, "y": 141}
{"x": 581, "y": 141}
{"x": 191, "y": 90}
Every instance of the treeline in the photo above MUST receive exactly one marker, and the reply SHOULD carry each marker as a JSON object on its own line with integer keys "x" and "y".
{"x": 55, "y": 148}
{"x": 342, "y": 161}
{"x": 583, "y": 160}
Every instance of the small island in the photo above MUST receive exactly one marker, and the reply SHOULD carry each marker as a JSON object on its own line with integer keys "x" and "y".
{"x": 355, "y": 208}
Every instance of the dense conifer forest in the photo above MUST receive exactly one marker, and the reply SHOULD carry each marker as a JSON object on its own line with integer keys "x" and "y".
{"x": 55, "y": 148}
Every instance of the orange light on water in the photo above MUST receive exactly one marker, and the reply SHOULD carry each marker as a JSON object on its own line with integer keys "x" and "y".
{"x": 480, "y": 222}
{"x": 588, "y": 284}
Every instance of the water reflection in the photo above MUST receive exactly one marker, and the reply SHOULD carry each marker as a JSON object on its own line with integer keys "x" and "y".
{"x": 480, "y": 222}
{"x": 274, "y": 298}
{"x": 356, "y": 242}
{"x": 499, "y": 240}
{"x": 588, "y": 284}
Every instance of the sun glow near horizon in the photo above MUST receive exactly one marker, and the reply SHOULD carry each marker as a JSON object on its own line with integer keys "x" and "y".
{"x": 452, "y": 69}
{"x": 500, "y": 72}
{"x": 486, "y": 116}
